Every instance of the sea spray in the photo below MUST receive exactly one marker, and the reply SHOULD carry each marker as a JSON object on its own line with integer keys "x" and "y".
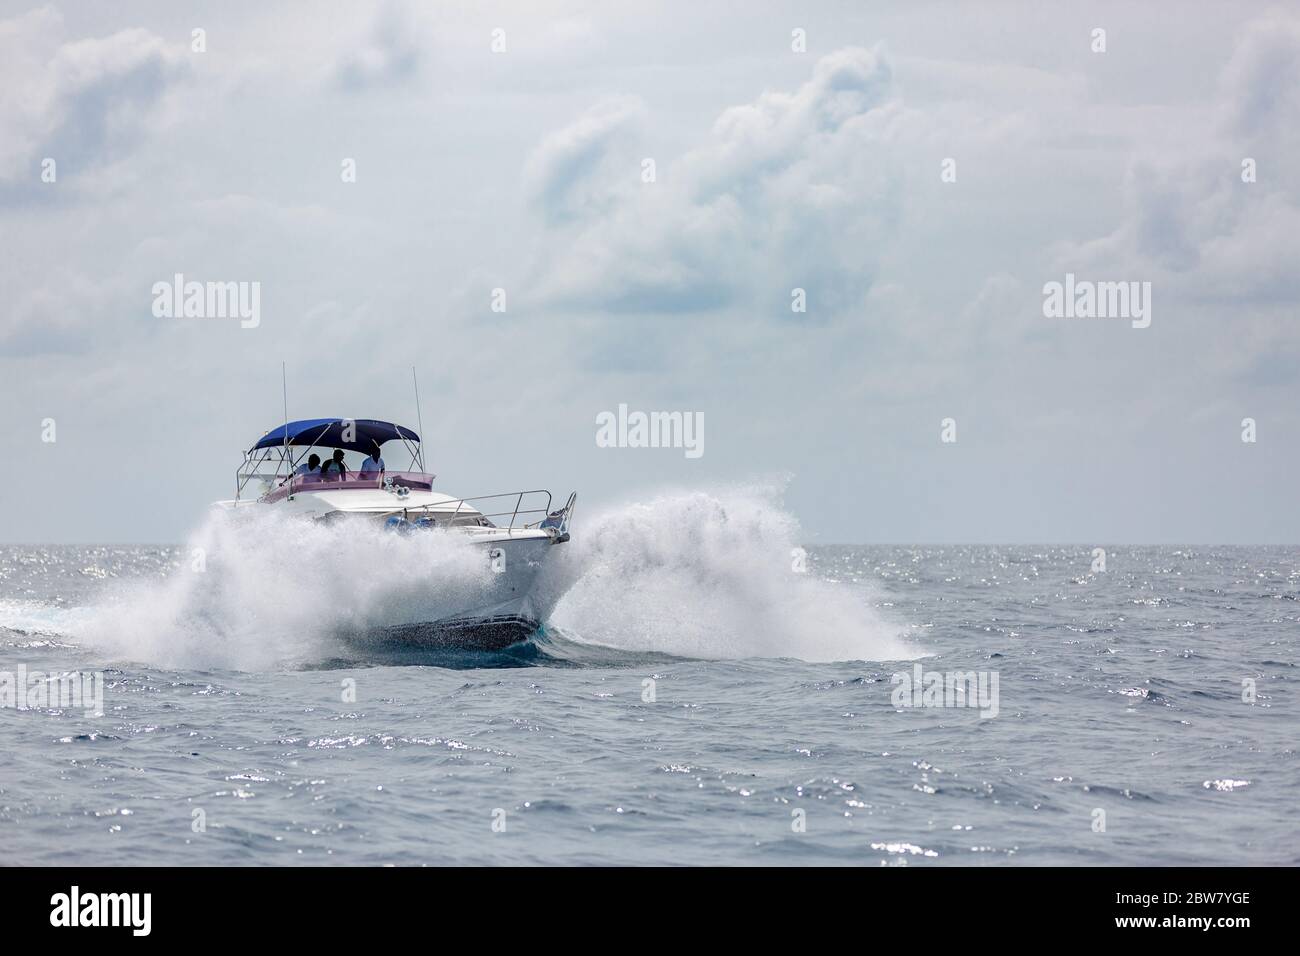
{"x": 710, "y": 574}
{"x": 706, "y": 574}
{"x": 258, "y": 590}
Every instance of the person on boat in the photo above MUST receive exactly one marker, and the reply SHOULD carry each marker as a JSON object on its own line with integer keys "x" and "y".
{"x": 374, "y": 465}
{"x": 310, "y": 468}
{"x": 335, "y": 466}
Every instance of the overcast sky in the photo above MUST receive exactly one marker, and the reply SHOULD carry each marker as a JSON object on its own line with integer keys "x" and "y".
{"x": 775, "y": 170}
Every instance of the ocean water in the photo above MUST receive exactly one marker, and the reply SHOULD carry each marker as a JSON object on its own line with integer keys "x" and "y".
{"x": 703, "y": 693}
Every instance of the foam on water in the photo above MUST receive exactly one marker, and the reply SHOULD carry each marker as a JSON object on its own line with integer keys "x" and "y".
{"x": 43, "y": 620}
{"x": 709, "y": 574}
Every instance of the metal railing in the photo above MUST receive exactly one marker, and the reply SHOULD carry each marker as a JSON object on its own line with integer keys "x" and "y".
{"x": 250, "y": 469}
{"x": 480, "y": 513}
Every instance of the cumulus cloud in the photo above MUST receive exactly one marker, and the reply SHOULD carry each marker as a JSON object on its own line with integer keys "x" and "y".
{"x": 390, "y": 55}
{"x": 82, "y": 102}
{"x": 792, "y": 190}
{"x": 1260, "y": 84}
{"x": 571, "y": 175}
{"x": 1190, "y": 222}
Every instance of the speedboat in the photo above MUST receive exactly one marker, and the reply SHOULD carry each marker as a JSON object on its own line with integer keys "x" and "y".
{"x": 516, "y": 531}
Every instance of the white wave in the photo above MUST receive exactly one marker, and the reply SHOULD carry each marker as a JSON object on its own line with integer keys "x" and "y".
{"x": 256, "y": 591}
{"x": 709, "y": 574}
{"x": 40, "y": 618}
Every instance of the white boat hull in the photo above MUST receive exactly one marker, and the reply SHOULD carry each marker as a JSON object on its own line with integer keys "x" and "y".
{"x": 509, "y": 611}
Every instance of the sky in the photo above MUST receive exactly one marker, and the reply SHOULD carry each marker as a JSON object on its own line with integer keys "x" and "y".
{"x": 391, "y": 175}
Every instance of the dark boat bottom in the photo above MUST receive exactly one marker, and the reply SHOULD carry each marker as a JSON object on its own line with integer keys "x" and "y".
{"x": 482, "y": 634}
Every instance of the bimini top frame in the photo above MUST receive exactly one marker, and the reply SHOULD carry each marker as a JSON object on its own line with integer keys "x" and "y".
{"x": 353, "y": 434}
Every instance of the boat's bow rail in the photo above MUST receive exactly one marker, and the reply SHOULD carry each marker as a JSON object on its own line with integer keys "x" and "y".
{"x": 511, "y": 503}
{"x": 410, "y": 496}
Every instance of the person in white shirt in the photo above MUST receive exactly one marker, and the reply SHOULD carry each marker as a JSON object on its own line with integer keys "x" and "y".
{"x": 374, "y": 465}
{"x": 310, "y": 467}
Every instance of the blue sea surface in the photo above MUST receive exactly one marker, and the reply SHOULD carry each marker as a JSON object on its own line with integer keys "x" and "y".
{"x": 1146, "y": 714}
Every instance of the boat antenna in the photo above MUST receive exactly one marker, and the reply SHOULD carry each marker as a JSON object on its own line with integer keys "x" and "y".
{"x": 284, "y": 389}
{"x": 419, "y": 417}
